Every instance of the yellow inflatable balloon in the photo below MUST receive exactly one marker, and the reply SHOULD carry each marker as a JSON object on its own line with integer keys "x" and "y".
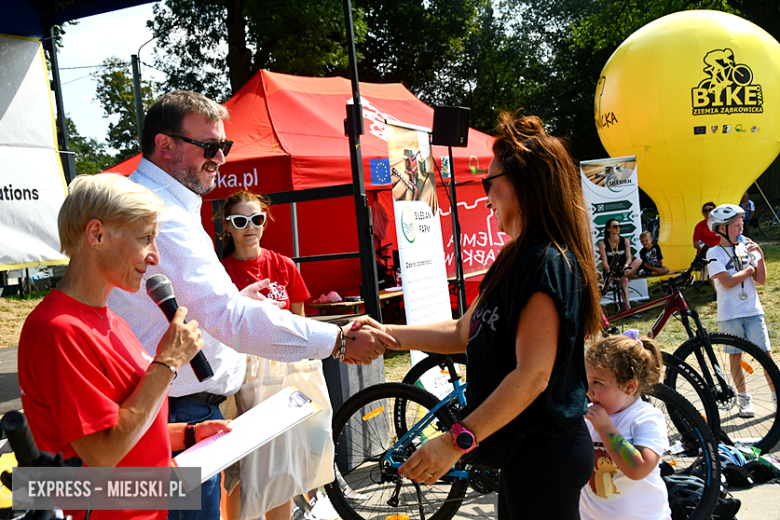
{"x": 695, "y": 96}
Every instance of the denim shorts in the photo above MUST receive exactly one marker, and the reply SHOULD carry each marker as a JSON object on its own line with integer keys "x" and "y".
{"x": 751, "y": 327}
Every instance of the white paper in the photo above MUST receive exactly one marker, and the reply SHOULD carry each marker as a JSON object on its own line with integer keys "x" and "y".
{"x": 251, "y": 430}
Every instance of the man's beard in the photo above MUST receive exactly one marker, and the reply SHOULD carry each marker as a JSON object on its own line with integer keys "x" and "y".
{"x": 189, "y": 176}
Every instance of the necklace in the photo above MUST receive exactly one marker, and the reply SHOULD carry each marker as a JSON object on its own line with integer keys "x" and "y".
{"x": 743, "y": 294}
{"x": 83, "y": 300}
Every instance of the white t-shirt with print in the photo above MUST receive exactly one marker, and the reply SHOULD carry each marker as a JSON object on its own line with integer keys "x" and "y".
{"x": 611, "y": 495}
{"x": 730, "y": 306}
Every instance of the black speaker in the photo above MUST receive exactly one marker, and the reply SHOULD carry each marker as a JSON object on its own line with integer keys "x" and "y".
{"x": 451, "y": 126}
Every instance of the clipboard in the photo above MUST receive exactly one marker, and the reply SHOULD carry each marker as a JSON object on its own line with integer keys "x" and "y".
{"x": 251, "y": 430}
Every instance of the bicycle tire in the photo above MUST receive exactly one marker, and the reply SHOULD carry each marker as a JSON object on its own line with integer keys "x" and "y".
{"x": 680, "y": 376}
{"x": 693, "y": 450}
{"x": 762, "y": 430}
{"x": 768, "y": 225}
{"x": 364, "y": 428}
{"x": 427, "y": 365}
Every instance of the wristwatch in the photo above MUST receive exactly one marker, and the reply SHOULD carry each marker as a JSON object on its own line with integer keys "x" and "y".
{"x": 189, "y": 436}
{"x": 463, "y": 438}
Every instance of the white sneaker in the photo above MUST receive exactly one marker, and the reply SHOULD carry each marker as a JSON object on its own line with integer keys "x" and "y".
{"x": 745, "y": 401}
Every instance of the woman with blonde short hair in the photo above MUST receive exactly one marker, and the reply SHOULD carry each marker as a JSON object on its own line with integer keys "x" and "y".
{"x": 89, "y": 389}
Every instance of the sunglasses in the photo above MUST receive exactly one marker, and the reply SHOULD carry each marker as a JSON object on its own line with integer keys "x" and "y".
{"x": 209, "y": 149}
{"x": 486, "y": 182}
{"x": 707, "y": 210}
{"x": 615, "y": 226}
{"x": 241, "y": 221}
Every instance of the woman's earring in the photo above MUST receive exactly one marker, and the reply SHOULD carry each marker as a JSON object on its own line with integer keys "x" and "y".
{"x": 94, "y": 247}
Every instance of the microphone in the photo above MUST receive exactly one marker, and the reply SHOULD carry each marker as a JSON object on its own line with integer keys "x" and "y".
{"x": 160, "y": 290}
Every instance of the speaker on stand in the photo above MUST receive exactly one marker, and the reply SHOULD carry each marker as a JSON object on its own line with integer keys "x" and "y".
{"x": 451, "y": 128}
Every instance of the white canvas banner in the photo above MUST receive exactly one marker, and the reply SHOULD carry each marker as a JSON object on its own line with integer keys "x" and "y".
{"x": 32, "y": 185}
{"x": 611, "y": 190}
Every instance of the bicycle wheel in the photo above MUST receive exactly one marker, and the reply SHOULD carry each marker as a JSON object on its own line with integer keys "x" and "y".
{"x": 364, "y": 429}
{"x": 756, "y": 371}
{"x": 768, "y": 224}
{"x": 428, "y": 375}
{"x": 690, "y": 385}
{"x": 692, "y": 453}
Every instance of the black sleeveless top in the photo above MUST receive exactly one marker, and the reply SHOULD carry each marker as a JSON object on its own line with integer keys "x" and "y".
{"x": 620, "y": 253}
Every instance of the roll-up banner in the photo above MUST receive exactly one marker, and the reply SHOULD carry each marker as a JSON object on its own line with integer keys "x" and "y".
{"x": 611, "y": 190}
{"x": 418, "y": 232}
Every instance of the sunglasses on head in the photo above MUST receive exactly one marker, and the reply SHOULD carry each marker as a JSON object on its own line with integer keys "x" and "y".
{"x": 241, "y": 221}
{"x": 486, "y": 182}
{"x": 209, "y": 149}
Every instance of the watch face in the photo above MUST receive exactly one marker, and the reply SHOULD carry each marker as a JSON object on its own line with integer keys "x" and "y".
{"x": 464, "y": 441}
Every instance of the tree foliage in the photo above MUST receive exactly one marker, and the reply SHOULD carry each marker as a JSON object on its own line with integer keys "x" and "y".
{"x": 215, "y": 46}
{"x": 91, "y": 155}
{"x": 115, "y": 94}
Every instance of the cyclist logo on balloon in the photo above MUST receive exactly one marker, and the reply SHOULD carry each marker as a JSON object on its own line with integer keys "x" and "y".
{"x": 729, "y": 89}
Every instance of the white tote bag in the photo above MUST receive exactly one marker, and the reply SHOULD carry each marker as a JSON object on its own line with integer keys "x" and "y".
{"x": 298, "y": 460}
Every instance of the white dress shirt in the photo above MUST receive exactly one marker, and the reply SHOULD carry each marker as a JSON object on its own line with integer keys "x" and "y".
{"x": 188, "y": 259}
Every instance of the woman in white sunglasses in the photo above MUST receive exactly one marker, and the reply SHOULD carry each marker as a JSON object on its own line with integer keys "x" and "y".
{"x": 245, "y": 217}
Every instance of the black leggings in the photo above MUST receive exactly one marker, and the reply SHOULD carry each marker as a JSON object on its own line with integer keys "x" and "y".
{"x": 544, "y": 478}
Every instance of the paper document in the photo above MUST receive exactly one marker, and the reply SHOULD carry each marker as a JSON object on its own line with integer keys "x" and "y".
{"x": 251, "y": 430}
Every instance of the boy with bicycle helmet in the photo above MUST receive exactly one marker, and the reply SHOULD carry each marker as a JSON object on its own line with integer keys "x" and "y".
{"x": 736, "y": 267}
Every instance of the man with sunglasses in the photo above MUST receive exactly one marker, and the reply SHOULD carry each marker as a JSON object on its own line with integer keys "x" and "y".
{"x": 183, "y": 146}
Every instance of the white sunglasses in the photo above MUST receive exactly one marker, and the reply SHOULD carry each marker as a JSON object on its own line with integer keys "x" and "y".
{"x": 241, "y": 221}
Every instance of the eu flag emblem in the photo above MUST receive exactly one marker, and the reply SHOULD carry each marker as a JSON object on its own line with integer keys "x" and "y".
{"x": 380, "y": 171}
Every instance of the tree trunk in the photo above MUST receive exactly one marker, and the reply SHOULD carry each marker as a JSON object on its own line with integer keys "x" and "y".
{"x": 239, "y": 59}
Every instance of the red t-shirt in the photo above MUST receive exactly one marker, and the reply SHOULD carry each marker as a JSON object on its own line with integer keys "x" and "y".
{"x": 703, "y": 233}
{"x": 287, "y": 285}
{"x": 74, "y": 372}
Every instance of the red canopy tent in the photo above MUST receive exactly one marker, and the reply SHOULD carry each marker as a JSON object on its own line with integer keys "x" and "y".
{"x": 289, "y": 135}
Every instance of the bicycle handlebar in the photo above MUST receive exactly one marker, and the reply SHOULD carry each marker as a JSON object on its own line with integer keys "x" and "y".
{"x": 699, "y": 262}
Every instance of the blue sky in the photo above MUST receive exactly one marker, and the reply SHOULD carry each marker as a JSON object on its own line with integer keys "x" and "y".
{"x": 120, "y": 34}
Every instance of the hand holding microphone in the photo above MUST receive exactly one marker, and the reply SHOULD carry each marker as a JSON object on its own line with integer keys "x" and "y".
{"x": 159, "y": 289}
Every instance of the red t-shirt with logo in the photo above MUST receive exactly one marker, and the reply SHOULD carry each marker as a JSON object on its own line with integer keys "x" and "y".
{"x": 287, "y": 284}
{"x": 75, "y": 370}
{"x": 702, "y": 233}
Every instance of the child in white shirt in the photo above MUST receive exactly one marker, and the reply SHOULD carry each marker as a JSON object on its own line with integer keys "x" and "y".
{"x": 629, "y": 435}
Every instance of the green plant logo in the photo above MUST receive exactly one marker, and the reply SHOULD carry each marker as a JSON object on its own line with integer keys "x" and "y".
{"x": 408, "y": 226}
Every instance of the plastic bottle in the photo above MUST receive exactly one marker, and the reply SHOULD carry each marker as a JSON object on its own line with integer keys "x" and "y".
{"x": 755, "y": 256}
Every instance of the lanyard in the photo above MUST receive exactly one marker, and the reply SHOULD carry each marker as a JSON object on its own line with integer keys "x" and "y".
{"x": 734, "y": 260}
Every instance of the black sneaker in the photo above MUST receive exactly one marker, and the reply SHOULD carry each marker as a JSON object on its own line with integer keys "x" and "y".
{"x": 635, "y": 316}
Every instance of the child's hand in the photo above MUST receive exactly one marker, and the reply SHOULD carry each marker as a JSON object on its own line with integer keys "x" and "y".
{"x": 598, "y": 417}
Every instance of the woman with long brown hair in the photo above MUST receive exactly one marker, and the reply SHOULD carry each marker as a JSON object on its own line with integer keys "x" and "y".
{"x": 524, "y": 335}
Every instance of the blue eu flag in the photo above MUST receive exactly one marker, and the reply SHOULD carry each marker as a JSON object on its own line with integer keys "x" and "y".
{"x": 380, "y": 171}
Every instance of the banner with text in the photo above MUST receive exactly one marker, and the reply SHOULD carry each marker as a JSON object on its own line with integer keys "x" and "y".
{"x": 611, "y": 190}
{"x": 32, "y": 185}
{"x": 418, "y": 229}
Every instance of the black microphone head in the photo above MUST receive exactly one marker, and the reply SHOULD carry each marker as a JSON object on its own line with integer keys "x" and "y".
{"x": 20, "y": 438}
{"x": 159, "y": 288}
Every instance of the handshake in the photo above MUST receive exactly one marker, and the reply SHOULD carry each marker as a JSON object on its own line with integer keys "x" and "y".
{"x": 366, "y": 340}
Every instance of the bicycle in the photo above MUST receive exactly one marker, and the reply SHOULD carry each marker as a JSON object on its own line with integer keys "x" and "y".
{"x": 704, "y": 352}
{"x": 377, "y": 429}
{"x": 768, "y": 222}
{"x": 651, "y": 221}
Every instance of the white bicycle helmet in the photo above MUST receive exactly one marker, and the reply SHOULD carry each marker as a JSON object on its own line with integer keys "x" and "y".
{"x": 722, "y": 215}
